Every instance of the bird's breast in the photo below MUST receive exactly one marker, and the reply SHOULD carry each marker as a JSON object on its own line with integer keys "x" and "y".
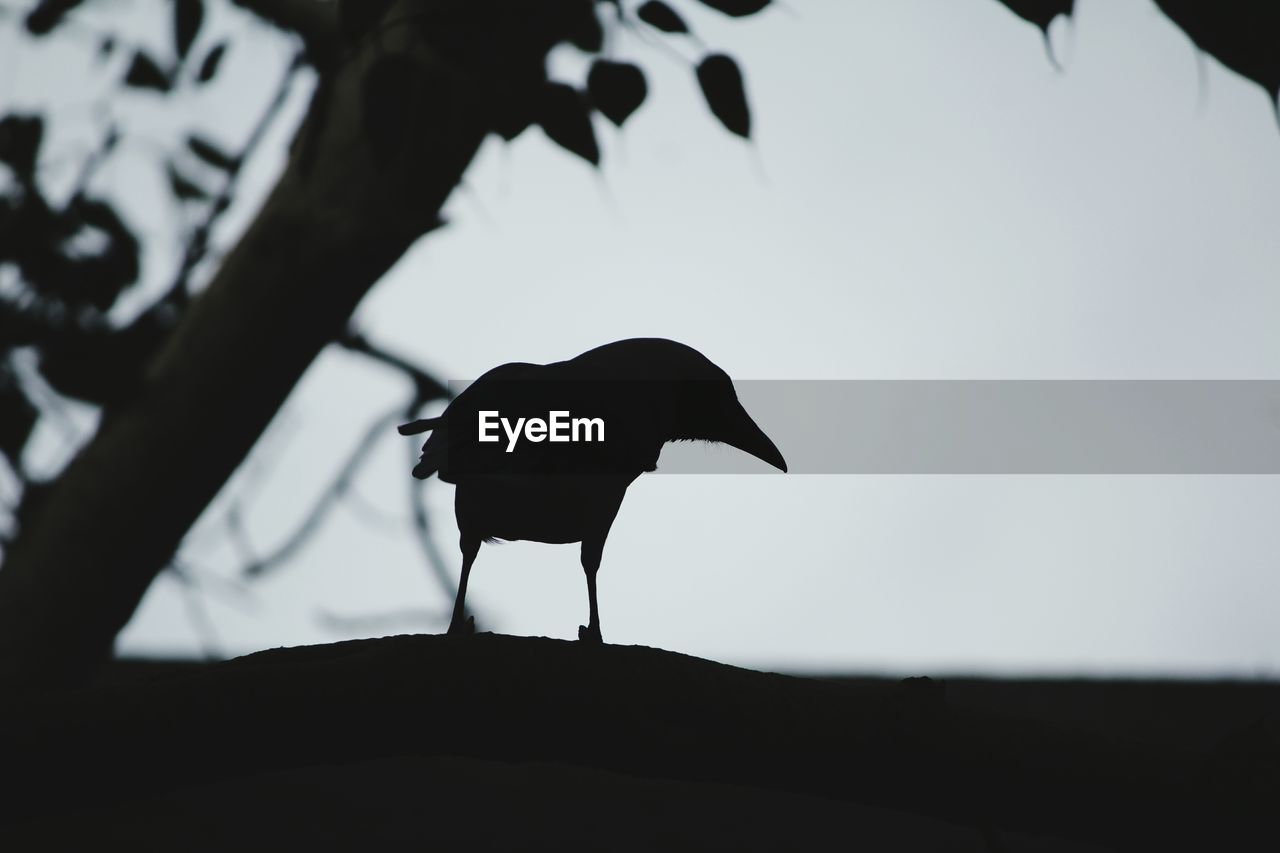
{"x": 553, "y": 509}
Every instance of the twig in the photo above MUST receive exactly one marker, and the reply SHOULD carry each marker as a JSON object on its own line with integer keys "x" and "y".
{"x": 372, "y": 514}
{"x": 327, "y": 500}
{"x": 198, "y": 613}
{"x": 427, "y": 387}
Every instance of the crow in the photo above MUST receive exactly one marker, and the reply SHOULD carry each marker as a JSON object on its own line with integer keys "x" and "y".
{"x": 545, "y": 452}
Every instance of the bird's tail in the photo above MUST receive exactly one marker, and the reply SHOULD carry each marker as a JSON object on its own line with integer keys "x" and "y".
{"x": 422, "y": 425}
{"x": 430, "y": 461}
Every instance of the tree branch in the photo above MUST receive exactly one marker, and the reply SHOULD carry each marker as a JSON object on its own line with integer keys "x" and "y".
{"x": 327, "y": 233}
{"x": 426, "y": 386}
{"x": 328, "y": 499}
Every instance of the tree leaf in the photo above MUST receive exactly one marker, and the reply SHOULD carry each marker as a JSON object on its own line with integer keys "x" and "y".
{"x": 20, "y": 137}
{"x": 1242, "y": 36}
{"x": 563, "y": 114}
{"x": 212, "y": 59}
{"x": 737, "y": 8}
{"x": 145, "y": 73}
{"x": 617, "y": 89}
{"x": 48, "y": 14}
{"x": 188, "y": 15}
{"x": 212, "y": 154}
{"x": 1040, "y": 12}
{"x": 182, "y": 187}
{"x": 659, "y": 15}
{"x": 357, "y": 17}
{"x": 722, "y": 86}
{"x": 585, "y": 32}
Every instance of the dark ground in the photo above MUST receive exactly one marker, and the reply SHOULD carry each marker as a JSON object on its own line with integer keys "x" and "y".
{"x": 498, "y": 743}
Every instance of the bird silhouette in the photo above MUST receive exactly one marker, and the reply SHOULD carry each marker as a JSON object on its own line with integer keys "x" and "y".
{"x": 563, "y": 441}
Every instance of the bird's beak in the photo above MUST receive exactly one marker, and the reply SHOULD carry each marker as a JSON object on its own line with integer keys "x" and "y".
{"x": 749, "y": 438}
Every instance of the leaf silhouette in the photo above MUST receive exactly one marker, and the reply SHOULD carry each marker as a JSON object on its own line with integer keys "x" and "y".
{"x": 722, "y": 86}
{"x": 736, "y": 8}
{"x": 145, "y": 73}
{"x": 212, "y": 59}
{"x": 617, "y": 89}
{"x": 659, "y": 15}
{"x": 1242, "y": 36}
{"x": 48, "y": 14}
{"x": 212, "y": 154}
{"x": 564, "y": 117}
{"x": 1040, "y": 12}
{"x": 188, "y": 15}
{"x": 585, "y": 32}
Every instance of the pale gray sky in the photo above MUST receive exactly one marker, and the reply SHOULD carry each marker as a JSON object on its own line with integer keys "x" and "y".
{"x": 926, "y": 198}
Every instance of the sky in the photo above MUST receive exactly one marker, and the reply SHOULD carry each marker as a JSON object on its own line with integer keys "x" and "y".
{"x": 925, "y": 197}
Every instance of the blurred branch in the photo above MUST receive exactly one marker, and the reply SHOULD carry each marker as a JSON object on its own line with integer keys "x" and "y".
{"x": 327, "y": 500}
{"x": 239, "y": 534}
{"x": 198, "y": 613}
{"x": 372, "y": 514}
{"x": 427, "y": 388}
{"x": 331, "y": 227}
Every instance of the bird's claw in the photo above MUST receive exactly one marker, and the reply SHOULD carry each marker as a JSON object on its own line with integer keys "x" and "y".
{"x": 589, "y": 635}
{"x": 462, "y": 629}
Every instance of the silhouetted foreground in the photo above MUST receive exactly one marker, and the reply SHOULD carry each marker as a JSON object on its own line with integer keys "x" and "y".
{"x": 497, "y": 742}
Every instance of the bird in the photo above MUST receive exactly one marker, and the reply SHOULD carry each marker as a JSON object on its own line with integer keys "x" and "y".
{"x": 545, "y": 452}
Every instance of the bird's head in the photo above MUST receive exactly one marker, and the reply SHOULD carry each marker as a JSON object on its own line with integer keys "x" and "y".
{"x": 709, "y": 410}
{"x": 706, "y": 403}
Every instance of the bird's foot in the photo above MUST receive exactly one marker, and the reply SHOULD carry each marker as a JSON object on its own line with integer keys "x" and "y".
{"x": 463, "y": 628}
{"x": 587, "y": 634}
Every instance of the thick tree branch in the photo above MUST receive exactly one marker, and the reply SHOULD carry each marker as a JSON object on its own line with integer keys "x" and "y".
{"x": 338, "y": 218}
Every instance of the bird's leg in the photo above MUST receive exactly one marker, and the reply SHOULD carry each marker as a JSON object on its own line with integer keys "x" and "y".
{"x": 461, "y": 624}
{"x": 591, "y": 555}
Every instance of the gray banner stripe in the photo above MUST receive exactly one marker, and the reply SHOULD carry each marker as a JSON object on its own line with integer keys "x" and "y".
{"x": 1002, "y": 427}
{"x": 1006, "y": 427}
